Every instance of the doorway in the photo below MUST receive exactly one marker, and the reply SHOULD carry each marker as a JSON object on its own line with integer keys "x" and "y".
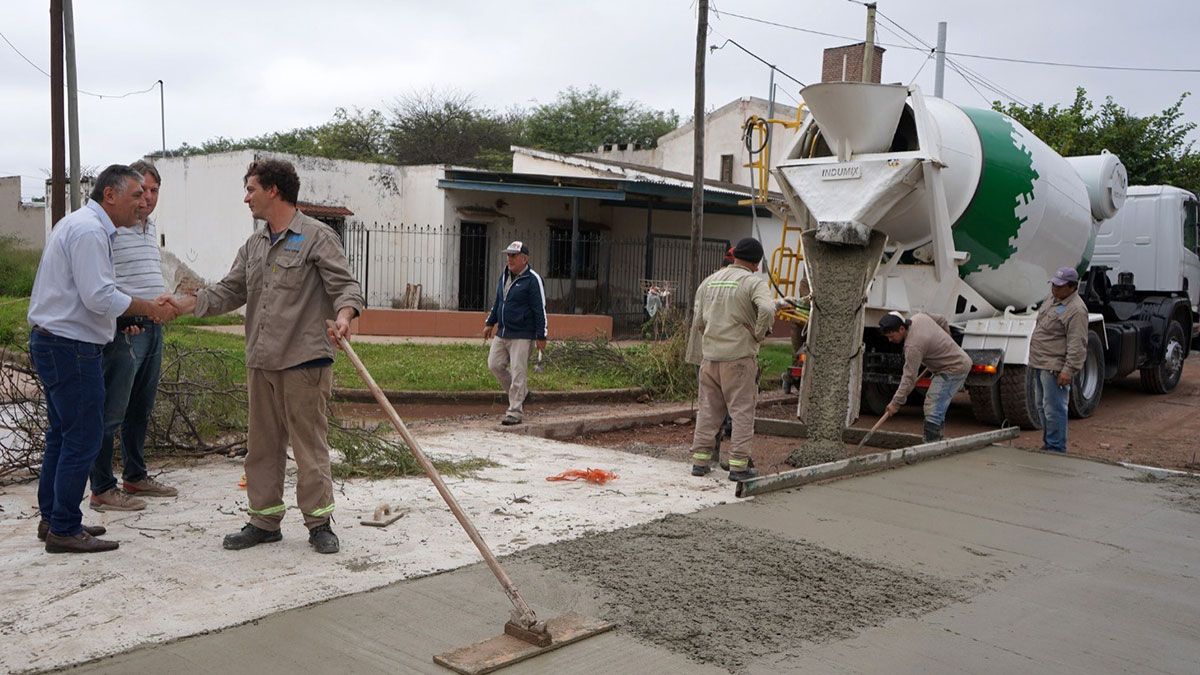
{"x": 473, "y": 267}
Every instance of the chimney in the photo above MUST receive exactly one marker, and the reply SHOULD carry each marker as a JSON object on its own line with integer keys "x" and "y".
{"x": 850, "y": 57}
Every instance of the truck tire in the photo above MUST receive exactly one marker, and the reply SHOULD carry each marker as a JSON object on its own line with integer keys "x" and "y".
{"x": 985, "y": 403}
{"x": 1088, "y": 384}
{"x": 1017, "y": 397}
{"x": 1162, "y": 378}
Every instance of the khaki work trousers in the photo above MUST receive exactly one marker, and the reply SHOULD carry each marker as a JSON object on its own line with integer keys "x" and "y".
{"x": 509, "y": 362}
{"x": 726, "y": 387}
{"x": 289, "y": 407}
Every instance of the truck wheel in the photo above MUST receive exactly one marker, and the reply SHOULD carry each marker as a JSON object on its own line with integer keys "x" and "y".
{"x": 985, "y": 403}
{"x": 1017, "y": 397}
{"x": 1089, "y": 381}
{"x": 1162, "y": 378}
{"x": 876, "y": 396}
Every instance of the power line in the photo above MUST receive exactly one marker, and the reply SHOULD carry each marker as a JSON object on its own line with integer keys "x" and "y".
{"x": 987, "y": 57}
{"x": 918, "y": 73}
{"x": 81, "y": 91}
{"x": 735, "y": 43}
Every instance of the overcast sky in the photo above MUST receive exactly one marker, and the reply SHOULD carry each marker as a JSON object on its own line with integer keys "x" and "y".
{"x": 237, "y": 69}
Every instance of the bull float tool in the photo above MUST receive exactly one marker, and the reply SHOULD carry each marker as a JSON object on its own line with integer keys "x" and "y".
{"x": 525, "y": 635}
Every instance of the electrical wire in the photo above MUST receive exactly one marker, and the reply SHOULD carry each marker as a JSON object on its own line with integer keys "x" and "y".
{"x": 735, "y": 43}
{"x": 81, "y": 91}
{"x": 918, "y": 73}
{"x": 1038, "y": 62}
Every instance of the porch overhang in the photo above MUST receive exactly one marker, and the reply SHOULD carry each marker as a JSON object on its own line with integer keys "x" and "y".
{"x": 531, "y": 189}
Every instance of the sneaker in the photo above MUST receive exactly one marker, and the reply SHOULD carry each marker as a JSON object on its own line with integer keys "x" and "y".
{"x": 251, "y": 535}
{"x": 80, "y": 543}
{"x": 115, "y": 500}
{"x": 148, "y": 487}
{"x": 322, "y": 539}
{"x": 510, "y": 420}
{"x": 743, "y": 475}
{"x": 44, "y": 529}
{"x": 698, "y": 470}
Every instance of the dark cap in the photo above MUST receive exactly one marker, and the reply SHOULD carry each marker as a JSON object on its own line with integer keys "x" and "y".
{"x": 515, "y": 248}
{"x": 892, "y": 321}
{"x": 1064, "y": 276}
{"x": 748, "y": 249}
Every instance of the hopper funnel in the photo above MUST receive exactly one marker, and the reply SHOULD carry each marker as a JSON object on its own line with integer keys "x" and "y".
{"x": 856, "y": 117}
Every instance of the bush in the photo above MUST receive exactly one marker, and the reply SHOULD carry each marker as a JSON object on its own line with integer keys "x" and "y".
{"x": 18, "y": 267}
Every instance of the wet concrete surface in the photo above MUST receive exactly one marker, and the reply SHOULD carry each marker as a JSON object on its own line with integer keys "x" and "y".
{"x": 1057, "y": 565}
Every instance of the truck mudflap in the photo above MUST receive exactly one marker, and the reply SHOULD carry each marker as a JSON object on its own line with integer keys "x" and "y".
{"x": 986, "y": 366}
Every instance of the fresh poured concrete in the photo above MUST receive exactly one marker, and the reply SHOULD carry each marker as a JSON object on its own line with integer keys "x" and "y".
{"x": 1060, "y": 565}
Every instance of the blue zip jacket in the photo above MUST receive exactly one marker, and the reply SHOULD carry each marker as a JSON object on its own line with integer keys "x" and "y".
{"x": 522, "y": 313}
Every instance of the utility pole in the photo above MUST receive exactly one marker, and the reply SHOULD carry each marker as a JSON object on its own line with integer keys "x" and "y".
{"x": 869, "y": 47}
{"x": 58, "y": 158}
{"x": 939, "y": 73}
{"x": 698, "y": 167}
{"x": 72, "y": 101}
{"x": 162, "y": 116}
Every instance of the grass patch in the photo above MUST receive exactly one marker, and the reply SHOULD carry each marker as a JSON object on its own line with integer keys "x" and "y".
{"x": 218, "y": 320}
{"x": 18, "y": 267}
{"x": 14, "y": 329}
{"x": 367, "y": 453}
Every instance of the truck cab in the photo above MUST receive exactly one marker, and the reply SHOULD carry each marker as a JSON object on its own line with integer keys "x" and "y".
{"x": 1154, "y": 237}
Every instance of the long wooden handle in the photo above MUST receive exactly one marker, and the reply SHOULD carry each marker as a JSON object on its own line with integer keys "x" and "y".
{"x": 523, "y": 614}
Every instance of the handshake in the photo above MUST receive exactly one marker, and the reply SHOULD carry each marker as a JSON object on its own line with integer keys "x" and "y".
{"x": 163, "y": 309}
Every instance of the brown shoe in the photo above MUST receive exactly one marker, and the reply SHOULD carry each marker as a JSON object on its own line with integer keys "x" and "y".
{"x": 44, "y": 529}
{"x": 115, "y": 500}
{"x": 148, "y": 487}
{"x": 80, "y": 543}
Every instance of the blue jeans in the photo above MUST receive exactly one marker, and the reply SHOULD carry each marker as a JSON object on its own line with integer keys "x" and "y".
{"x": 73, "y": 379}
{"x": 942, "y": 388}
{"x": 1051, "y": 401}
{"x": 132, "y": 364}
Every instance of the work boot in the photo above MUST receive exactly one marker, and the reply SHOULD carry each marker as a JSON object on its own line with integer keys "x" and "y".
{"x": 699, "y": 470}
{"x": 44, "y": 529}
{"x": 933, "y": 432}
{"x": 250, "y": 536}
{"x": 725, "y": 463}
{"x": 115, "y": 500}
{"x": 750, "y": 472}
{"x": 322, "y": 539}
{"x": 148, "y": 487}
{"x": 80, "y": 543}
{"x": 510, "y": 420}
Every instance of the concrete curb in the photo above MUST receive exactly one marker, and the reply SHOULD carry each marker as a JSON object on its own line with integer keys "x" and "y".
{"x": 399, "y": 397}
{"x": 1158, "y": 472}
{"x": 873, "y": 462}
{"x": 569, "y": 429}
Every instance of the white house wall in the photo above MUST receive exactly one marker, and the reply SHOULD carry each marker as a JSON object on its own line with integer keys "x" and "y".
{"x": 723, "y": 136}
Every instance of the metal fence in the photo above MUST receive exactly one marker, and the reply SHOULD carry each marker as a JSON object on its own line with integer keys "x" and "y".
{"x": 457, "y": 267}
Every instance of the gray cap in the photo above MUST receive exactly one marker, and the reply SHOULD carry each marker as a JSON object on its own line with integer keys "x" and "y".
{"x": 1064, "y": 276}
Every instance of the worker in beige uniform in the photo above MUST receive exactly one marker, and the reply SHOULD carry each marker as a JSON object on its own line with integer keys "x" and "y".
{"x": 1057, "y": 350}
{"x": 733, "y": 313}
{"x": 292, "y": 275}
{"x": 926, "y": 339}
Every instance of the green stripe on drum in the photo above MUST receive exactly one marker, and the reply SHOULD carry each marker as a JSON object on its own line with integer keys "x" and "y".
{"x": 988, "y": 228}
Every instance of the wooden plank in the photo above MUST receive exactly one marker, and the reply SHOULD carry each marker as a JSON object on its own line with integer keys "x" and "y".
{"x": 881, "y": 438}
{"x": 872, "y": 462}
{"x": 504, "y": 650}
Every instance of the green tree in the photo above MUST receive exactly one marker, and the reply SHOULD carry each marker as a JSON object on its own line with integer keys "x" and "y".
{"x": 1155, "y": 149}
{"x": 448, "y": 127}
{"x": 582, "y": 120}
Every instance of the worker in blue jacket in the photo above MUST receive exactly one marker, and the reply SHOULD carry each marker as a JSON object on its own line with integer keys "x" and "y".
{"x": 517, "y": 321}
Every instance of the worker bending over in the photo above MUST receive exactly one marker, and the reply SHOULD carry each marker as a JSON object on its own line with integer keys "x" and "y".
{"x": 926, "y": 339}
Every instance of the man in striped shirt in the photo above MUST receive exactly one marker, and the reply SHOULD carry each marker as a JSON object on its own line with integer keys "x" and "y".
{"x": 132, "y": 362}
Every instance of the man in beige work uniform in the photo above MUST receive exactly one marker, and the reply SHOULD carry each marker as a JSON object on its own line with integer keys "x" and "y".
{"x": 292, "y": 275}
{"x": 1057, "y": 350}
{"x": 732, "y": 316}
{"x": 926, "y": 339}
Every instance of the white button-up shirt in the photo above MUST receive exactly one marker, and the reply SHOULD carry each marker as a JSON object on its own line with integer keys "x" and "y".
{"x": 74, "y": 294}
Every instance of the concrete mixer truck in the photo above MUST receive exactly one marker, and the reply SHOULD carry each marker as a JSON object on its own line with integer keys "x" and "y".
{"x": 978, "y": 213}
